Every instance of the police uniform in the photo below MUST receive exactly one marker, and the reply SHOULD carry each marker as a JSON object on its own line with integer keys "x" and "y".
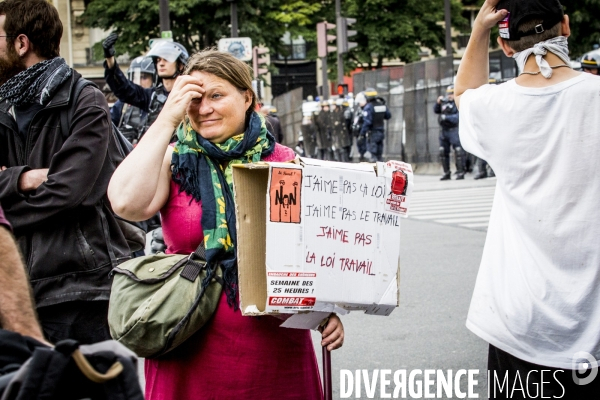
{"x": 448, "y": 120}
{"x": 323, "y": 123}
{"x": 148, "y": 100}
{"x": 307, "y": 130}
{"x": 374, "y": 115}
{"x": 340, "y": 139}
{"x": 361, "y": 141}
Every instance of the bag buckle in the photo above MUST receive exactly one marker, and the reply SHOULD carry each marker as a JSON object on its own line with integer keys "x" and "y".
{"x": 192, "y": 269}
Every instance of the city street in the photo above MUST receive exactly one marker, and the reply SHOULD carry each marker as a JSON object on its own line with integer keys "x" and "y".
{"x": 441, "y": 248}
{"x": 439, "y": 262}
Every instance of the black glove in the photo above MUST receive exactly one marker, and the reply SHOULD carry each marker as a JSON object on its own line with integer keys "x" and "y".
{"x": 109, "y": 45}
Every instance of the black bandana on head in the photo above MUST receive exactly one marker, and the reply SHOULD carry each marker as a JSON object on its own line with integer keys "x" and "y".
{"x": 37, "y": 84}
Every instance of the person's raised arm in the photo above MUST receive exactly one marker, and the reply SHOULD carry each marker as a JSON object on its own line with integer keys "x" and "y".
{"x": 473, "y": 71}
{"x": 125, "y": 90}
{"x": 139, "y": 188}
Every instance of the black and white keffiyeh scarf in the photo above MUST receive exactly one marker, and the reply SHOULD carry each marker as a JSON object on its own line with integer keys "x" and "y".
{"x": 37, "y": 84}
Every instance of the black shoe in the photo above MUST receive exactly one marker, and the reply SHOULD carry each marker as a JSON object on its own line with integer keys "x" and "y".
{"x": 481, "y": 175}
{"x": 445, "y": 177}
{"x": 460, "y": 175}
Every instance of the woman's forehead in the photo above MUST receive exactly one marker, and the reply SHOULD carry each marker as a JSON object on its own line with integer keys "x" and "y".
{"x": 210, "y": 80}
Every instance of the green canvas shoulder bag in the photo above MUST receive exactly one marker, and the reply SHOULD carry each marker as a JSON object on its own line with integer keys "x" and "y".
{"x": 159, "y": 301}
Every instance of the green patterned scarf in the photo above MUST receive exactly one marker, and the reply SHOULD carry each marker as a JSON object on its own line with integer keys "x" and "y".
{"x": 204, "y": 171}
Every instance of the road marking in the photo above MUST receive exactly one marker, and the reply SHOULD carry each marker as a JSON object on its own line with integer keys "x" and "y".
{"x": 467, "y": 208}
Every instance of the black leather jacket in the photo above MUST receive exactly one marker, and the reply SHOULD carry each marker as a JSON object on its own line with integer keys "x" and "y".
{"x": 66, "y": 231}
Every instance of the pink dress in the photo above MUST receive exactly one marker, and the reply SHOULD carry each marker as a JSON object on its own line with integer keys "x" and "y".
{"x": 231, "y": 357}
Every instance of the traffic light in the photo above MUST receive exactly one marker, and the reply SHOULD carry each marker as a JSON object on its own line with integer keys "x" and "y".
{"x": 343, "y": 33}
{"x": 258, "y": 61}
{"x": 342, "y": 89}
{"x": 323, "y": 39}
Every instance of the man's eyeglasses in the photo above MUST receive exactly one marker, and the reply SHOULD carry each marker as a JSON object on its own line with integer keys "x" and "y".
{"x": 8, "y": 36}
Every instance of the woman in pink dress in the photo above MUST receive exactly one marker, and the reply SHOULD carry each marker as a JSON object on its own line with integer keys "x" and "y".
{"x": 231, "y": 357}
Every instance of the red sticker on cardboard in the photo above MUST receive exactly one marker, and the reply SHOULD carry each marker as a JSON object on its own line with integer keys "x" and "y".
{"x": 292, "y": 301}
{"x": 284, "y": 195}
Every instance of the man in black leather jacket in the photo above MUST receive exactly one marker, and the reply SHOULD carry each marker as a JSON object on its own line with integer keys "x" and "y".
{"x": 52, "y": 185}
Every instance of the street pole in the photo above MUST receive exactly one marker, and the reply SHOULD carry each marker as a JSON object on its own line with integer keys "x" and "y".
{"x": 324, "y": 77}
{"x": 449, "y": 50}
{"x": 340, "y": 56}
{"x": 234, "y": 21}
{"x": 165, "y": 23}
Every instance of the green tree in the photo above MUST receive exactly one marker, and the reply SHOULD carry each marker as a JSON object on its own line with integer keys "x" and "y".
{"x": 398, "y": 29}
{"x": 198, "y": 24}
{"x": 585, "y": 25}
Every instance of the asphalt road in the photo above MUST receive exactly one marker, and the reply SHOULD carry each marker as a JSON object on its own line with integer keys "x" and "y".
{"x": 439, "y": 266}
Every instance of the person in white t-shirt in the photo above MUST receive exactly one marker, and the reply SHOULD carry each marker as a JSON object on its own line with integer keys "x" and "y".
{"x": 537, "y": 295}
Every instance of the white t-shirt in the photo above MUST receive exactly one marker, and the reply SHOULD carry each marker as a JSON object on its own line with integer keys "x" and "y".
{"x": 537, "y": 294}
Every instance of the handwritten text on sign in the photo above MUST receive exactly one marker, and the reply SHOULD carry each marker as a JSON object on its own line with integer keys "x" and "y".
{"x": 343, "y": 215}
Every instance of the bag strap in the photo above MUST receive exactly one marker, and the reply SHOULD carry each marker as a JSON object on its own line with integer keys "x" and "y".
{"x": 66, "y": 115}
{"x": 196, "y": 262}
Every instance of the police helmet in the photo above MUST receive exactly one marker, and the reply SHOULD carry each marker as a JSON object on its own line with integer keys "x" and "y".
{"x": 170, "y": 51}
{"x": 144, "y": 64}
{"x": 450, "y": 89}
{"x": 361, "y": 99}
{"x": 370, "y": 93}
{"x": 590, "y": 61}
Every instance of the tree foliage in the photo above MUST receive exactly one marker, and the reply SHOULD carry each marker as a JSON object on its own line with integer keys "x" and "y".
{"x": 387, "y": 29}
{"x": 398, "y": 29}
{"x": 198, "y": 24}
{"x": 585, "y": 25}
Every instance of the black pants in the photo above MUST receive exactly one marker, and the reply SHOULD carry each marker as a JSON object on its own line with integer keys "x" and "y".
{"x": 449, "y": 139}
{"x": 536, "y": 381}
{"x": 84, "y": 321}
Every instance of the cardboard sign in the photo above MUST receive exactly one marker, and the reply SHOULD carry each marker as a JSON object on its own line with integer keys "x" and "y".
{"x": 330, "y": 239}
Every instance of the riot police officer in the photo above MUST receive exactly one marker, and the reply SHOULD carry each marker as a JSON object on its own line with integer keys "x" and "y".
{"x": 169, "y": 59}
{"x": 340, "y": 139}
{"x": 131, "y": 120}
{"x": 307, "y": 132}
{"x": 374, "y": 114}
{"x": 324, "y": 127}
{"x": 448, "y": 120}
{"x": 591, "y": 64}
{"x": 361, "y": 140}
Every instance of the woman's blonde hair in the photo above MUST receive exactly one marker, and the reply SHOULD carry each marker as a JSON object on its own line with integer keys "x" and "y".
{"x": 227, "y": 67}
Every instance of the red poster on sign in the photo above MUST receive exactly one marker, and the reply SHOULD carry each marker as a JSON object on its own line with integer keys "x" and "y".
{"x": 284, "y": 194}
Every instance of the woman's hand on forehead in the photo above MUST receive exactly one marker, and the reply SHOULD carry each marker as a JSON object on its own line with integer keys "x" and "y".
{"x": 185, "y": 89}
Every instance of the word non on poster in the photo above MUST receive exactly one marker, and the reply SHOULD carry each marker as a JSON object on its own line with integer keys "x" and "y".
{"x": 284, "y": 195}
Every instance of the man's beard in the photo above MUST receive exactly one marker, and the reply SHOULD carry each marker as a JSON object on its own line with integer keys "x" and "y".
{"x": 11, "y": 65}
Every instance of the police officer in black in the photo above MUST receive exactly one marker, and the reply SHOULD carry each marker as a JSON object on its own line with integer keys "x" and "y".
{"x": 361, "y": 141}
{"x": 448, "y": 120}
{"x": 129, "y": 119}
{"x": 324, "y": 124}
{"x": 375, "y": 113}
{"x": 169, "y": 60}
